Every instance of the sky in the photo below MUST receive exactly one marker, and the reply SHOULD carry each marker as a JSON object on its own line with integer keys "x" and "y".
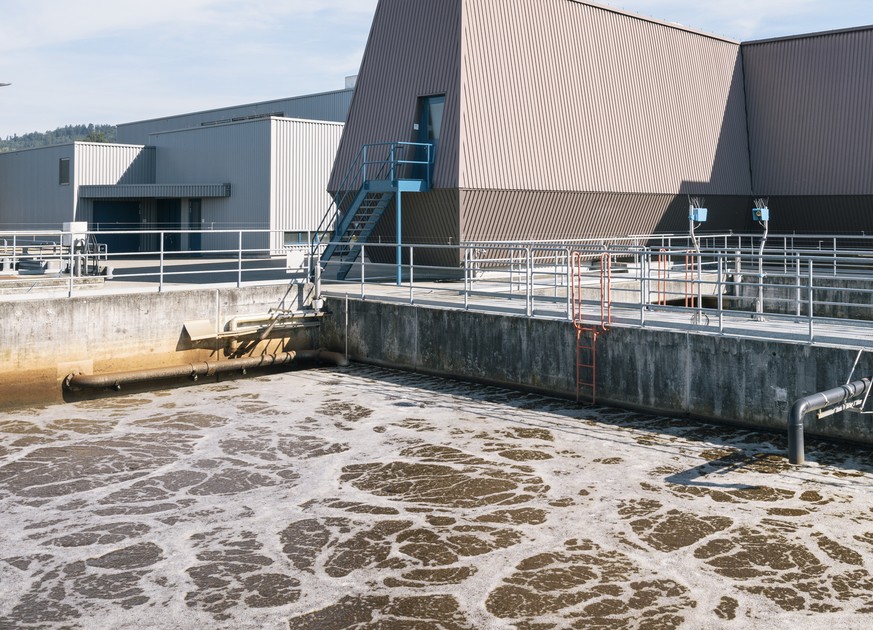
{"x": 94, "y": 61}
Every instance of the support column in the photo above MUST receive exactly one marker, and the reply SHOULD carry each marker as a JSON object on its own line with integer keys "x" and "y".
{"x": 399, "y": 238}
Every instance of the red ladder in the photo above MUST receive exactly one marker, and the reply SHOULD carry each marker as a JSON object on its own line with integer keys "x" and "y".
{"x": 586, "y": 334}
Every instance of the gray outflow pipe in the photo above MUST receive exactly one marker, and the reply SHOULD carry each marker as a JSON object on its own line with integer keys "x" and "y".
{"x": 194, "y": 371}
{"x": 814, "y": 402}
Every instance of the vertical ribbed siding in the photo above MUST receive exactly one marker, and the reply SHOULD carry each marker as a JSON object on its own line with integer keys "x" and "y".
{"x": 303, "y": 155}
{"x": 561, "y": 95}
{"x": 114, "y": 164}
{"x": 496, "y": 215}
{"x": 834, "y": 214}
{"x": 810, "y": 124}
{"x": 237, "y": 153}
{"x": 30, "y": 196}
{"x": 413, "y": 50}
{"x": 428, "y": 218}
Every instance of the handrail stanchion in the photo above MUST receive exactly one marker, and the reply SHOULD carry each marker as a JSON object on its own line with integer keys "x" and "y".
{"x": 239, "y": 261}
{"x": 811, "y": 315}
{"x": 569, "y": 272}
{"x": 528, "y": 276}
{"x": 644, "y": 286}
{"x": 411, "y": 277}
{"x": 72, "y": 268}
{"x": 720, "y": 290}
{"x": 466, "y": 279}
{"x": 161, "y": 267}
{"x": 363, "y": 268}
{"x": 798, "y": 294}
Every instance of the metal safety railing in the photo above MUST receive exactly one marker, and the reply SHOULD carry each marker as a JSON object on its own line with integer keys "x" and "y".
{"x": 377, "y": 161}
{"x": 58, "y": 262}
{"x": 804, "y": 294}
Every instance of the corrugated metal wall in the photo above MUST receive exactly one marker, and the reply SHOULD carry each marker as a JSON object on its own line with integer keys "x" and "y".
{"x": 414, "y": 50}
{"x": 552, "y": 96}
{"x": 514, "y": 215}
{"x": 237, "y": 153}
{"x": 428, "y": 219}
{"x": 330, "y": 106}
{"x": 114, "y": 164}
{"x": 30, "y": 196}
{"x": 810, "y": 103}
{"x": 563, "y": 96}
{"x": 831, "y": 214}
{"x": 303, "y": 155}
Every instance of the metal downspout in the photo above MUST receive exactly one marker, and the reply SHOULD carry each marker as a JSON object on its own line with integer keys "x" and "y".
{"x": 194, "y": 371}
{"x": 814, "y": 402}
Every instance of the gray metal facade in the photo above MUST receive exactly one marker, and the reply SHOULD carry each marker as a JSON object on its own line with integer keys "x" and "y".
{"x": 277, "y": 169}
{"x": 810, "y": 122}
{"x": 550, "y": 103}
{"x": 566, "y": 96}
{"x": 414, "y": 50}
{"x": 32, "y": 196}
{"x": 329, "y": 106}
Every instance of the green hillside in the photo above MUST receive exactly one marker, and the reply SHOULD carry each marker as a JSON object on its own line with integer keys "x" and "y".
{"x": 61, "y": 135}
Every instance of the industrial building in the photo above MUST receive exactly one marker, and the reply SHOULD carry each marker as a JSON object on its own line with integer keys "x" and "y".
{"x": 258, "y": 166}
{"x": 549, "y": 119}
{"x": 563, "y": 119}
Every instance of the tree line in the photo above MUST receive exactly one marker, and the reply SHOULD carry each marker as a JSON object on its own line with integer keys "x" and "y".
{"x": 61, "y": 135}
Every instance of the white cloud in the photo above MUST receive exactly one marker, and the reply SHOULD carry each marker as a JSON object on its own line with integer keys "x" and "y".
{"x": 98, "y": 61}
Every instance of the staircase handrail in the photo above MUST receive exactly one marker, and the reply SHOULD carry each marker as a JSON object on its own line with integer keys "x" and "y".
{"x": 361, "y": 167}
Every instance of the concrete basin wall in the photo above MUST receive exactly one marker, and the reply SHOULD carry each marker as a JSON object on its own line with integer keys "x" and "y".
{"x": 841, "y": 298}
{"x": 42, "y": 341}
{"x": 740, "y": 381}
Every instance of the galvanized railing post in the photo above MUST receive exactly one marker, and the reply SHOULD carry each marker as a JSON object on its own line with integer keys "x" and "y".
{"x": 14, "y": 251}
{"x": 511, "y": 271}
{"x": 569, "y": 279}
{"x": 528, "y": 281}
{"x": 699, "y": 286}
{"x": 161, "y": 262}
{"x": 411, "y": 276}
{"x": 835, "y": 257}
{"x": 811, "y": 297}
{"x": 555, "y": 273}
{"x": 467, "y": 263}
{"x": 798, "y": 297}
{"x": 645, "y": 265}
{"x": 720, "y": 289}
{"x": 239, "y": 260}
{"x": 72, "y": 267}
{"x": 363, "y": 269}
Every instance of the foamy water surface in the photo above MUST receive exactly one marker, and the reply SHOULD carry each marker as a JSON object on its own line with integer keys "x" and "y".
{"x": 366, "y": 498}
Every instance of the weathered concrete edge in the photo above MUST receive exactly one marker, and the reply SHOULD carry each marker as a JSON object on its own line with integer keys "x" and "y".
{"x": 41, "y": 341}
{"x": 748, "y": 382}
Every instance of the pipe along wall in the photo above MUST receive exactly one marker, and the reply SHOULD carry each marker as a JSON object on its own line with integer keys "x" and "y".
{"x": 743, "y": 381}
{"x": 43, "y": 341}
{"x": 748, "y": 382}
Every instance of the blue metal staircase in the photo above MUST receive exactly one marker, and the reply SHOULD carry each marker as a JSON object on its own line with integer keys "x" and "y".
{"x": 379, "y": 174}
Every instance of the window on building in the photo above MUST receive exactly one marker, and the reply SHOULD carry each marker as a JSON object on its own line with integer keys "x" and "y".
{"x": 292, "y": 239}
{"x": 64, "y": 172}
